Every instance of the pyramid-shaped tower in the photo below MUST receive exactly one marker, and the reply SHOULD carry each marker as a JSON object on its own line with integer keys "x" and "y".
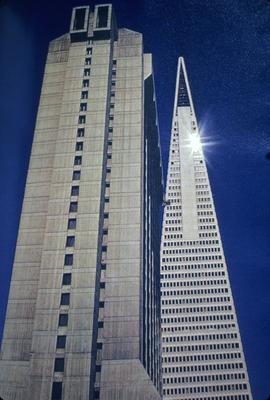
{"x": 202, "y": 352}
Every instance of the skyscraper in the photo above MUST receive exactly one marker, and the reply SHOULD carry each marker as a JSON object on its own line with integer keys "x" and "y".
{"x": 83, "y": 315}
{"x": 202, "y": 352}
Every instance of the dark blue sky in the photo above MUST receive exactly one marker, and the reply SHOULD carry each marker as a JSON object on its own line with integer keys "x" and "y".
{"x": 226, "y": 45}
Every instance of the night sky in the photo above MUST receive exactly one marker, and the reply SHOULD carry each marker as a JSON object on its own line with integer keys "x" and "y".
{"x": 226, "y": 45}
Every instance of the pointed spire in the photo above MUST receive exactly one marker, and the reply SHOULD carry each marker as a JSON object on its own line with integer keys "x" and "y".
{"x": 182, "y": 95}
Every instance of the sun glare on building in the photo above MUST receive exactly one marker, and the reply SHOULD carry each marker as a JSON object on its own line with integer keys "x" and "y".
{"x": 195, "y": 143}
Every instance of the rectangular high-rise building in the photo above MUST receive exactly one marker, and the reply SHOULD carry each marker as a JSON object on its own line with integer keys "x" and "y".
{"x": 202, "y": 354}
{"x": 83, "y": 315}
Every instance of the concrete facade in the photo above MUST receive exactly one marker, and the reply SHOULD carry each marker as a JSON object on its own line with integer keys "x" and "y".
{"x": 83, "y": 316}
{"x": 202, "y": 354}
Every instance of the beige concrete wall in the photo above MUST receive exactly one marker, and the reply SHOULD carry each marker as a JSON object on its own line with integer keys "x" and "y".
{"x": 17, "y": 337}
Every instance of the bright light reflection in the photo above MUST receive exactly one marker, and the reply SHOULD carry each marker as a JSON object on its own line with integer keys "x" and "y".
{"x": 195, "y": 143}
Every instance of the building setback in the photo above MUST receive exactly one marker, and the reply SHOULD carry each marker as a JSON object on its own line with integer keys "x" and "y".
{"x": 83, "y": 315}
{"x": 202, "y": 354}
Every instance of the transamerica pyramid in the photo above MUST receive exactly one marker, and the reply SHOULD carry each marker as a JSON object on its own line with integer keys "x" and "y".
{"x": 202, "y": 352}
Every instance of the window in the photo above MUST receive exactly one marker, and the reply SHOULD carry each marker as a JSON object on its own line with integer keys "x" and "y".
{"x": 100, "y": 324}
{"x": 70, "y": 241}
{"x": 69, "y": 259}
{"x": 114, "y": 62}
{"x": 98, "y": 368}
{"x": 79, "y": 146}
{"x": 99, "y": 345}
{"x": 111, "y": 117}
{"x": 111, "y": 105}
{"x": 102, "y": 16}
{"x": 77, "y": 160}
{"x": 80, "y": 132}
{"x": 73, "y": 207}
{"x": 56, "y": 391}
{"x": 86, "y": 83}
{"x": 113, "y": 83}
{"x": 113, "y": 72}
{"x": 102, "y": 285}
{"x": 79, "y": 19}
{"x": 66, "y": 279}
{"x": 63, "y": 320}
{"x": 84, "y": 94}
{"x": 89, "y": 50}
{"x": 72, "y": 223}
{"x": 88, "y": 61}
{"x": 61, "y": 342}
{"x": 76, "y": 175}
{"x": 112, "y": 94}
{"x": 59, "y": 365}
{"x": 75, "y": 191}
{"x": 81, "y": 119}
{"x": 101, "y": 304}
{"x": 83, "y": 106}
{"x": 86, "y": 71}
{"x": 65, "y": 299}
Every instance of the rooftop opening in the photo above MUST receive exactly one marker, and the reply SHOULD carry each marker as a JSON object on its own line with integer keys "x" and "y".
{"x": 102, "y": 17}
{"x": 79, "y": 19}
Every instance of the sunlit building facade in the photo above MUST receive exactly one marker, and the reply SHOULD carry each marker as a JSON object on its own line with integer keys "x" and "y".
{"x": 83, "y": 315}
{"x": 202, "y": 357}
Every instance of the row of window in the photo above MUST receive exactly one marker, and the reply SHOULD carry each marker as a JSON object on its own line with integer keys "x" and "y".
{"x": 196, "y": 338}
{"x": 197, "y": 318}
{"x": 187, "y": 259}
{"x": 196, "y": 327}
{"x": 206, "y": 220}
{"x": 105, "y": 230}
{"x": 173, "y": 214}
{"x": 209, "y": 389}
{"x": 195, "y": 300}
{"x": 213, "y": 282}
{"x": 196, "y": 243}
{"x": 203, "y": 378}
{"x": 59, "y": 362}
{"x": 194, "y": 292}
{"x": 207, "y": 227}
{"x": 173, "y": 229}
{"x": 172, "y": 221}
{"x": 205, "y": 213}
{"x": 174, "y": 236}
{"x": 200, "y": 347}
{"x": 174, "y": 207}
{"x": 172, "y": 275}
{"x": 184, "y": 310}
{"x": 201, "y": 206}
{"x": 200, "y": 357}
{"x": 191, "y": 250}
{"x": 188, "y": 267}
{"x": 203, "y": 367}
{"x": 208, "y": 234}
